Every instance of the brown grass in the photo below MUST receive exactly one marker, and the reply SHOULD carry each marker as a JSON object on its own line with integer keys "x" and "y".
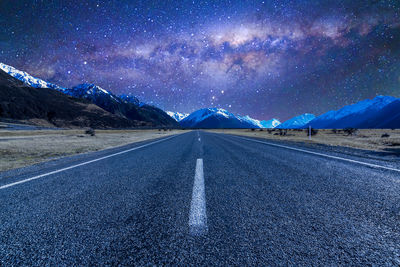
{"x": 364, "y": 139}
{"x": 23, "y": 148}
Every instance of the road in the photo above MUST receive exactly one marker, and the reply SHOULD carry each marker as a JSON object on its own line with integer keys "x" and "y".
{"x": 202, "y": 198}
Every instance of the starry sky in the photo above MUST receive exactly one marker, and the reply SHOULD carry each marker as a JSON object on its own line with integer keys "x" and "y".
{"x": 261, "y": 58}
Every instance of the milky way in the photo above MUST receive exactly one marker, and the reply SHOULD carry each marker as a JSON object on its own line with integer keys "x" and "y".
{"x": 261, "y": 58}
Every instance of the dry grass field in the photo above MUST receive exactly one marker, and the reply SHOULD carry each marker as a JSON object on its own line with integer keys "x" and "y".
{"x": 382, "y": 140}
{"x": 23, "y": 148}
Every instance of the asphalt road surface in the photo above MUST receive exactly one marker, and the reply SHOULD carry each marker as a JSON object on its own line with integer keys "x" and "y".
{"x": 202, "y": 199}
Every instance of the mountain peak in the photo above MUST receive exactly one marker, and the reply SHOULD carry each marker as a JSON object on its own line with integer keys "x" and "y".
{"x": 177, "y": 115}
{"x": 272, "y": 123}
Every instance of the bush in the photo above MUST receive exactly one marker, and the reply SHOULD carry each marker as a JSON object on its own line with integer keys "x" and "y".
{"x": 334, "y": 131}
{"x": 350, "y": 131}
{"x": 270, "y": 131}
{"x": 261, "y": 129}
{"x": 282, "y": 132}
{"x": 90, "y": 132}
{"x": 252, "y": 129}
{"x": 385, "y": 135}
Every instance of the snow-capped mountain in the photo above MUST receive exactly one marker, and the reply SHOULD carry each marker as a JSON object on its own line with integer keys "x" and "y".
{"x": 98, "y": 96}
{"x": 177, "y": 115}
{"x": 128, "y": 107}
{"x": 215, "y": 118}
{"x": 356, "y": 116}
{"x": 297, "y": 122}
{"x": 130, "y": 99}
{"x": 270, "y": 123}
{"x": 27, "y": 78}
{"x": 221, "y": 118}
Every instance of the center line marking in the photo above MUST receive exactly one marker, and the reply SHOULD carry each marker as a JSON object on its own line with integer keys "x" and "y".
{"x": 198, "y": 216}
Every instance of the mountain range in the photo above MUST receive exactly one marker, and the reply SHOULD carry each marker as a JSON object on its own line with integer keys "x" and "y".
{"x": 369, "y": 113}
{"x": 221, "y": 118}
{"x": 124, "y": 106}
{"x": 127, "y": 110}
{"x": 49, "y": 107}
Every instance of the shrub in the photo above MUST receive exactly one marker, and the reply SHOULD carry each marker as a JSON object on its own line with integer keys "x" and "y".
{"x": 252, "y": 129}
{"x": 334, "y": 131}
{"x": 261, "y": 129}
{"x": 270, "y": 131}
{"x": 385, "y": 135}
{"x": 350, "y": 131}
{"x": 283, "y": 132}
{"x": 90, "y": 132}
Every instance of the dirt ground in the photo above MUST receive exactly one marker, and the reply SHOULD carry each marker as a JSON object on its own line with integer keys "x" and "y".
{"x": 375, "y": 140}
{"x": 23, "y": 148}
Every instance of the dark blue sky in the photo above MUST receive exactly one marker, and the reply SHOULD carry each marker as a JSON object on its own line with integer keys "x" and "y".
{"x": 261, "y": 58}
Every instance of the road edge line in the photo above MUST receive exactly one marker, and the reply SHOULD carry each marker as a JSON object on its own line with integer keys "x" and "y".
{"x": 319, "y": 154}
{"x": 82, "y": 164}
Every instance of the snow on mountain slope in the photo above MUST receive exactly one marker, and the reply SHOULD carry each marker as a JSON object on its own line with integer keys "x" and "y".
{"x": 270, "y": 123}
{"x": 297, "y": 122}
{"x": 177, "y": 115}
{"x": 130, "y": 99}
{"x": 88, "y": 91}
{"x": 27, "y": 78}
{"x": 202, "y": 114}
{"x": 356, "y": 115}
{"x": 248, "y": 119}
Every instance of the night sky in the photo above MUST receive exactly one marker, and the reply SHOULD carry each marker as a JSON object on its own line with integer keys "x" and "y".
{"x": 259, "y": 58}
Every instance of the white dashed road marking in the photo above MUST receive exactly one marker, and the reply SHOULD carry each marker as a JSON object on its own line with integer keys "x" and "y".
{"x": 198, "y": 216}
